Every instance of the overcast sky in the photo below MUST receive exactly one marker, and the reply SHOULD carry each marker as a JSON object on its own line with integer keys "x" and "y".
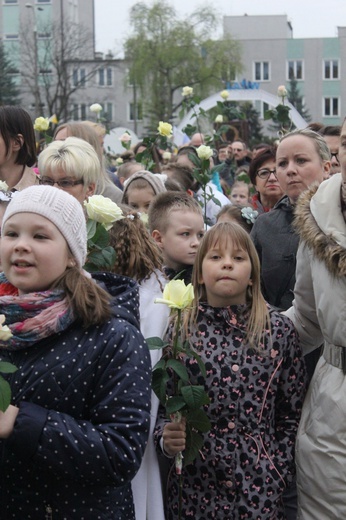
{"x": 309, "y": 18}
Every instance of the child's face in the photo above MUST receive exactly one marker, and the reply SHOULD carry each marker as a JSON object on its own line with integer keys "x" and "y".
{"x": 179, "y": 243}
{"x": 33, "y": 252}
{"x": 240, "y": 195}
{"x": 140, "y": 198}
{"x": 226, "y": 274}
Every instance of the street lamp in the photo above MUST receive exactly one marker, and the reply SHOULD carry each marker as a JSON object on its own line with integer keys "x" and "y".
{"x": 37, "y": 92}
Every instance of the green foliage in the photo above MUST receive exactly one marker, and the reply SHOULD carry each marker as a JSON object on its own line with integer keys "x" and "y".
{"x": 5, "y": 389}
{"x": 172, "y": 385}
{"x": 296, "y": 99}
{"x": 165, "y": 53}
{"x": 101, "y": 256}
{"x": 8, "y": 90}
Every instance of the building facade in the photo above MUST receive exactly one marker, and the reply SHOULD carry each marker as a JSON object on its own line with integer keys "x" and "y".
{"x": 271, "y": 56}
{"x": 33, "y": 31}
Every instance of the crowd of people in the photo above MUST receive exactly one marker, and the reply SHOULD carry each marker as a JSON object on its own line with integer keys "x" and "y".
{"x": 263, "y": 246}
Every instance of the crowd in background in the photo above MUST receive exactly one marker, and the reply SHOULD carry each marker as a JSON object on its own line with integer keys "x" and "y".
{"x": 263, "y": 244}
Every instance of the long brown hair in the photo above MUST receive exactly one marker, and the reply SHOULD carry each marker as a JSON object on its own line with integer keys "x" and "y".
{"x": 90, "y": 303}
{"x": 222, "y": 234}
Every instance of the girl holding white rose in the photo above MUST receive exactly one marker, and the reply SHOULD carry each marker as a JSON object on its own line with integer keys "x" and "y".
{"x": 74, "y": 435}
{"x": 255, "y": 380}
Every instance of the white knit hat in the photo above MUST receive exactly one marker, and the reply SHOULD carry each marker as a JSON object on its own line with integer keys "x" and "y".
{"x": 63, "y": 210}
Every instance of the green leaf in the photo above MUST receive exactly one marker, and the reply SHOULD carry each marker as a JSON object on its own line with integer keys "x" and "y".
{"x": 7, "y": 368}
{"x": 174, "y": 404}
{"x": 199, "y": 420}
{"x": 195, "y": 396}
{"x": 178, "y": 368}
{"x": 91, "y": 228}
{"x": 108, "y": 255}
{"x": 159, "y": 382}
{"x": 160, "y": 365}
{"x": 5, "y": 394}
{"x": 155, "y": 343}
{"x": 194, "y": 442}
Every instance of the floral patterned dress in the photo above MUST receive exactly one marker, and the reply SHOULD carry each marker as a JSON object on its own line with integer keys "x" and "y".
{"x": 255, "y": 404}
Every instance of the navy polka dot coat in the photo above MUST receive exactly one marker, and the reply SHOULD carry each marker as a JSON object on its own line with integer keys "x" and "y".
{"x": 84, "y": 405}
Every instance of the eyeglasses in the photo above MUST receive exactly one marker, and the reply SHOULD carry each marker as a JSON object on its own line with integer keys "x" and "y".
{"x": 336, "y": 155}
{"x": 264, "y": 173}
{"x": 64, "y": 183}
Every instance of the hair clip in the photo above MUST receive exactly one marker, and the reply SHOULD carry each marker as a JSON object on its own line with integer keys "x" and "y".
{"x": 249, "y": 215}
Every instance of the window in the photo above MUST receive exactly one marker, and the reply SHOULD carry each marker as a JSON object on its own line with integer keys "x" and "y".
{"x": 44, "y": 35}
{"x": 11, "y": 36}
{"x": 295, "y": 69}
{"x": 75, "y": 112}
{"x": 83, "y": 112}
{"x": 107, "y": 110}
{"x": 261, "y": 71}
{"x": 105, "y": 77}
{"x": 10, "y": 1}
{"x": 264, "y": 108}
{"x": 135, "y": 112}
{"x": 331, "y": 69}
{"x": 331, "y": 107}
{"x": 78, "y": 78}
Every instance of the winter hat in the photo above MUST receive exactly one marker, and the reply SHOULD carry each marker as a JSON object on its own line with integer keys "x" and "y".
{"x": 155, "y": 180}
{"x": 63, "y": 210}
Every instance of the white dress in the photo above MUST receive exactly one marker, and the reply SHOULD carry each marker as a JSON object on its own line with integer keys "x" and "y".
{"x": 146, "y": 486}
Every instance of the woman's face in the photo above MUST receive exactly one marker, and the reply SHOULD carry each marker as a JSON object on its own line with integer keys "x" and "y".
{"x": 268, "y": 186}
{"x": 78, "y": 191}
{"x": 298, "y": 165}
{"x": 342, "y": 152}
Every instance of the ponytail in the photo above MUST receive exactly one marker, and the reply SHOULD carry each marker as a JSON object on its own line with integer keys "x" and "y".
{"x": 90, "y": 303}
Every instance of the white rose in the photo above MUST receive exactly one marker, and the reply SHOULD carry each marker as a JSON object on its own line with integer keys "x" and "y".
{"x": 219, "y": 118}
{"x": 166, "y": 156}
{"x": 41, "y": 124}
{"x": 224, "y": 94}
{"x": 3, "y": 186}
{"x": 125, "y": 138}
{"x": 204, "y": 152}
{"x": 5, "y": 332}
{"x": 103, "y": 210}
{"x": 95, "y": 107}
{"x": 119, "y": 161}
{"x": 187, "y": 91}
{"x": 282, "y": 92}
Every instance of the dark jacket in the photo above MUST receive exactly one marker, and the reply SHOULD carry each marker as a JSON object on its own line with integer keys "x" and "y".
{"x": 255, "y": 402}
{"x": 84, "y": 403}
{"x": 277, "y": 243}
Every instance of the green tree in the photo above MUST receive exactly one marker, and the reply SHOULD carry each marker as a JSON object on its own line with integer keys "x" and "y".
{"x": 165, "y": 54}
{"x": 296, "y": 99}
{"x": 9, "y": 94}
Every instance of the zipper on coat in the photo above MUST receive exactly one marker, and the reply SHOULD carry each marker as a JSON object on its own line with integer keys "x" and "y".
{"x": 49, "y": 513}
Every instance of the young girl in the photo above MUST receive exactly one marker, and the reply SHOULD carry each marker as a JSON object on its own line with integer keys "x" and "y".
{"x": 138, "y": 256}
{"x": 240, "y": 193}
{"x": 141, "y": 188}
{"x": 74, "y": 435}
{"x": 255, "y": 381}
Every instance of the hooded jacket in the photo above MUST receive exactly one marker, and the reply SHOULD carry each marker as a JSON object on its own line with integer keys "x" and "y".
{"x": 83, "y": 421}
{"x": 319, "y": 313}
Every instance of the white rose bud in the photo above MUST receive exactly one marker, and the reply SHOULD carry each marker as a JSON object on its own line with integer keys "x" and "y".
{"x": 224, "y": 94}
{"x": 96, "y": 107}
{"x": 187, "y": 91}
{"x": 204, "y": 152}
{"x": 219, "y": 118}
{"x": 282, "y": 92}
{"x": 125, "y": 138}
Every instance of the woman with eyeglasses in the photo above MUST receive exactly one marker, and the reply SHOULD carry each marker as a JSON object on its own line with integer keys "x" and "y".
{"x": 71, "y": 165}
{"x": 262, "y": 173}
